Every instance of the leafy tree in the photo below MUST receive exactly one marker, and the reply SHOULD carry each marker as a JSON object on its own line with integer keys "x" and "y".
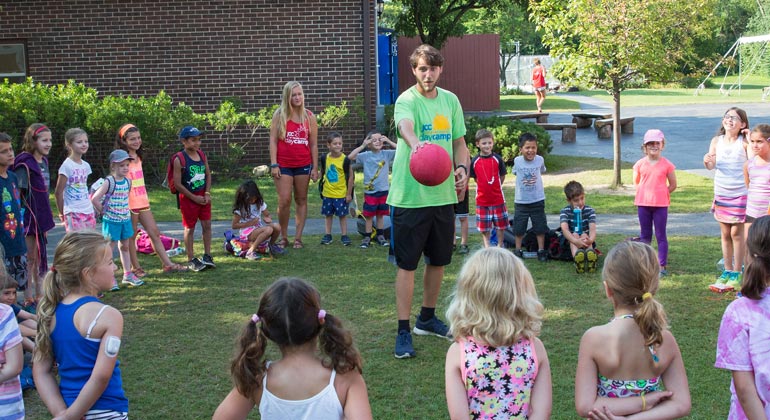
{"x": 510, "y": 20}
{"x": 612, "y": 43}
{"x": 435, "y": 21}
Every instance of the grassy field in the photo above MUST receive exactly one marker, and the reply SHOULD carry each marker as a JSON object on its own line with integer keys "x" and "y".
{"x": 180, "y": 329}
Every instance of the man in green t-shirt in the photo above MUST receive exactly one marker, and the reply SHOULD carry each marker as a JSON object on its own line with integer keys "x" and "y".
{"x": 422, "y": 217}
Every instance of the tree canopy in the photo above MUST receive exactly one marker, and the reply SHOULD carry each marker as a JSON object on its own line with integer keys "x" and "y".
{"x": 610, "y": 44}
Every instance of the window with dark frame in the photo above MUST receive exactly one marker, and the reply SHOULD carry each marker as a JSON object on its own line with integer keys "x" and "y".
{"x": 13, "y": 60}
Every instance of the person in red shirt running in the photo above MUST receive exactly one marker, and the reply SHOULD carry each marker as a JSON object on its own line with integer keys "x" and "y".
{"x": 538, "y": 84}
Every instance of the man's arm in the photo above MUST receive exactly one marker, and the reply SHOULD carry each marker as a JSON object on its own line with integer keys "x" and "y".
{"x": 461, "y": 161}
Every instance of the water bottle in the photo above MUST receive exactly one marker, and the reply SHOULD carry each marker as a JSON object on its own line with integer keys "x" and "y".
{"x": 175, "y": 251}
{"x": 578, "y": 214}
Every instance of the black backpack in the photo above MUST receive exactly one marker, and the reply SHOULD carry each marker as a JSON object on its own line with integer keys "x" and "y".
{"x": 557, "y": 245}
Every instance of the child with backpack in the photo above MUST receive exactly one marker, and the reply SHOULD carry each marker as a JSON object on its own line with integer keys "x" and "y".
{"x": 488, "y": 169}
{"x": 192, "y": 182}
{"x": 111, "y": 201}
{"x": 578, "y": 225}
{"x": 376, "y": 163}
{"x": 336, "y": 188}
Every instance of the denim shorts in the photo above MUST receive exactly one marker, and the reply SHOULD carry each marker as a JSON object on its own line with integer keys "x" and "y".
{"x": 304, "y": 170}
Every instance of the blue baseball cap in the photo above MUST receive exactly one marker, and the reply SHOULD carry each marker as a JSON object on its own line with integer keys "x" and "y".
{"x": 189, "y": 131}
{"x": 119, "y": 155}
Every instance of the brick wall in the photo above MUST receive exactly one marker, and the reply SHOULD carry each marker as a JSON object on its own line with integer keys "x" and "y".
{"x": 201, "y": 51}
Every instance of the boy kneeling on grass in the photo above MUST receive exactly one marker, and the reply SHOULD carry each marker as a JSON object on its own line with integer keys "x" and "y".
{"x": 578, "y": 225}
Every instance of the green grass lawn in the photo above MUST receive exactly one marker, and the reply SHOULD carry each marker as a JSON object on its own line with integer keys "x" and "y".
{"x": 526, "y": 103}
{"x": 180, "y": 329}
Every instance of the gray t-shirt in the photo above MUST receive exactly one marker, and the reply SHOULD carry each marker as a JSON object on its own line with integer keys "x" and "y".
{"x": 529, "y": 182}
{"x": 376, "y": 170}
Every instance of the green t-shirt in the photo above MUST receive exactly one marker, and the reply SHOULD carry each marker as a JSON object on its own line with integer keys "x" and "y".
{"x": 438, "y": 120}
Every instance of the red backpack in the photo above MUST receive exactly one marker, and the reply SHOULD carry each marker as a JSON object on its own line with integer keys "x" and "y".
{"x": 169, "y": 181}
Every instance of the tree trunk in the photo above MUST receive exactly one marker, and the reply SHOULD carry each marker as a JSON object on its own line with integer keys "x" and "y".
{"x": 616, "y": 182}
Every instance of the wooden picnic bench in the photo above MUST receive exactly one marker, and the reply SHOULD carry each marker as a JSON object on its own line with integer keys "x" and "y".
{"x": 540, "y": 117}
{"x": 568, "y": 131}
{"x": 604, "y": 127}
{"x": 585, "y": 120}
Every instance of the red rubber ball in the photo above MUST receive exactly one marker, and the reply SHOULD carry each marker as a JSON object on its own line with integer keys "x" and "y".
{"x": 430, "y": 165}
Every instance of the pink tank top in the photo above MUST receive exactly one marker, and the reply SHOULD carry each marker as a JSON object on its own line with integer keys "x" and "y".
{"x": 759, "y": 189}
{"x": 294, "y": 150}
{"x": 137, "y": 197}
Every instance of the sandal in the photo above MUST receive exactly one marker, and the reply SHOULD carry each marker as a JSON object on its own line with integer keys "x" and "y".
{"x": 283, "y": 243}
{"x": 298, "y": 244}
{"x": 175, "y": 268}
{"x": 139, "y": 272}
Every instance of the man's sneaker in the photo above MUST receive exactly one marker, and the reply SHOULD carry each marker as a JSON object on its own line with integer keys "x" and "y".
{"x": 196, "y": 264}
{"x": 433, "y": 326}
{"x": 208, "y": 261}
{"x": 345, "y": 240}
{"x": 463, "y": 249}
{"x": 580, "y": 261}
{"x": 365, "y": 242}
{"x": 591, "y": 259}
{"x": 132, "y": 280}
{"x": 326, "y": 240}
{"x": 276, "y": 249}
{"x": 252, "y": 256}
{"x": 542, "y": 255}
{"x": 404, "y": 348}
{"x": 382, "y": 241}
{"x": 519, "y": 253}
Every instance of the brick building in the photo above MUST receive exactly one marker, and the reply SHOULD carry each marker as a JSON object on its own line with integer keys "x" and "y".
{"x": 201, "y": 51}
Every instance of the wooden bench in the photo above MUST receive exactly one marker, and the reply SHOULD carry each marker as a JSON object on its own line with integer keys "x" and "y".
{"x": 540, "y": 117}
{"x": 568, "y": 131}
{"x": 604, "y": 127}
{"x": 585, "y": 120}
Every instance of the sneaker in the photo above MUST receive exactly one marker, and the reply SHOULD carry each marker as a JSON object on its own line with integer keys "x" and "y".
{"x": 382, "y": 241}
{"x": 591, "y": 259}
{"x": 252, "y": 256}
{"x": 365, "y": 242}
{"x": 542, "y": 255}
{"x": 326, "y": 240}
{"x": 433, "y": 326}
{"x": 720, "y": 286}
{"x": 734, "y": 280}
{"x": 132, "y": 280}
{"x": 208, "y": 261}
{"x": 663, "y": 272}
{"x": 404, "y": 348}
{"x": 519, "y": 253}
{"x": 276, "y": 249}
{"x": 196, "y": 264}
{"x": 345, "y": 240}
{"x": 115, "y": 288}
{"x": 580, "y": 261}
{"x": 463, "y": 249}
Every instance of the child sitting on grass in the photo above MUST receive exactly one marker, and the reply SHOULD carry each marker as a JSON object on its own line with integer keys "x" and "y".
{"x": 580, "y": 234}
{"x": 317, "y": 353}
{"x": 251, "y": 216}
{"x": 27, "y": 321}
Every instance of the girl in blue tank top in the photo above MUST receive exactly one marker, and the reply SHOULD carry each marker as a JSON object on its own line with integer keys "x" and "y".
{"x": 79, "y": 333}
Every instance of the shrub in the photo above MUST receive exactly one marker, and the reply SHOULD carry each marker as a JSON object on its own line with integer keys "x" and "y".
{"x": 506, "y": 133}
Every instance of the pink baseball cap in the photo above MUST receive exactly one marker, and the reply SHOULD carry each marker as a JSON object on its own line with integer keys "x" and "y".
{"x": 653, "y": 135}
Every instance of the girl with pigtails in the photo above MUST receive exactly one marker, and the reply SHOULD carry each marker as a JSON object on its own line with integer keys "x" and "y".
{"x": 301, "y": 384}
{"x": 79, "y": 334}
{"x": 631, "y": 367}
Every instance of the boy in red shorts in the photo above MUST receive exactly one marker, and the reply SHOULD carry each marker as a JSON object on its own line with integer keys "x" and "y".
{"x": 488, "y": 169}
{"x": 192, "y": 179}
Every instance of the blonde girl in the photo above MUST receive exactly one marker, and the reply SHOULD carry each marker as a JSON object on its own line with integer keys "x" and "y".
{"x": 756, "y": 175}
{"x": 496, "y": 316}
{"x": 34, "y": 175}
{"x": 75, "y": 208}
{"x": 129, "y": 139}
{"x": 726, "y": 155}
{"x": 78, "y": 336}
{"x": 623, "y": 364}
{"x": 319, "y": 373}
{"x": 655, "y": 180}
{"x": 293, "y": 158}
{"x": 743, "y": 335}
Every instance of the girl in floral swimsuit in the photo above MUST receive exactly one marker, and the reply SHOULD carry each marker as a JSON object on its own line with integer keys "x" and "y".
{"x": 497, "y": 368}
{"x": 625, "y": 365}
